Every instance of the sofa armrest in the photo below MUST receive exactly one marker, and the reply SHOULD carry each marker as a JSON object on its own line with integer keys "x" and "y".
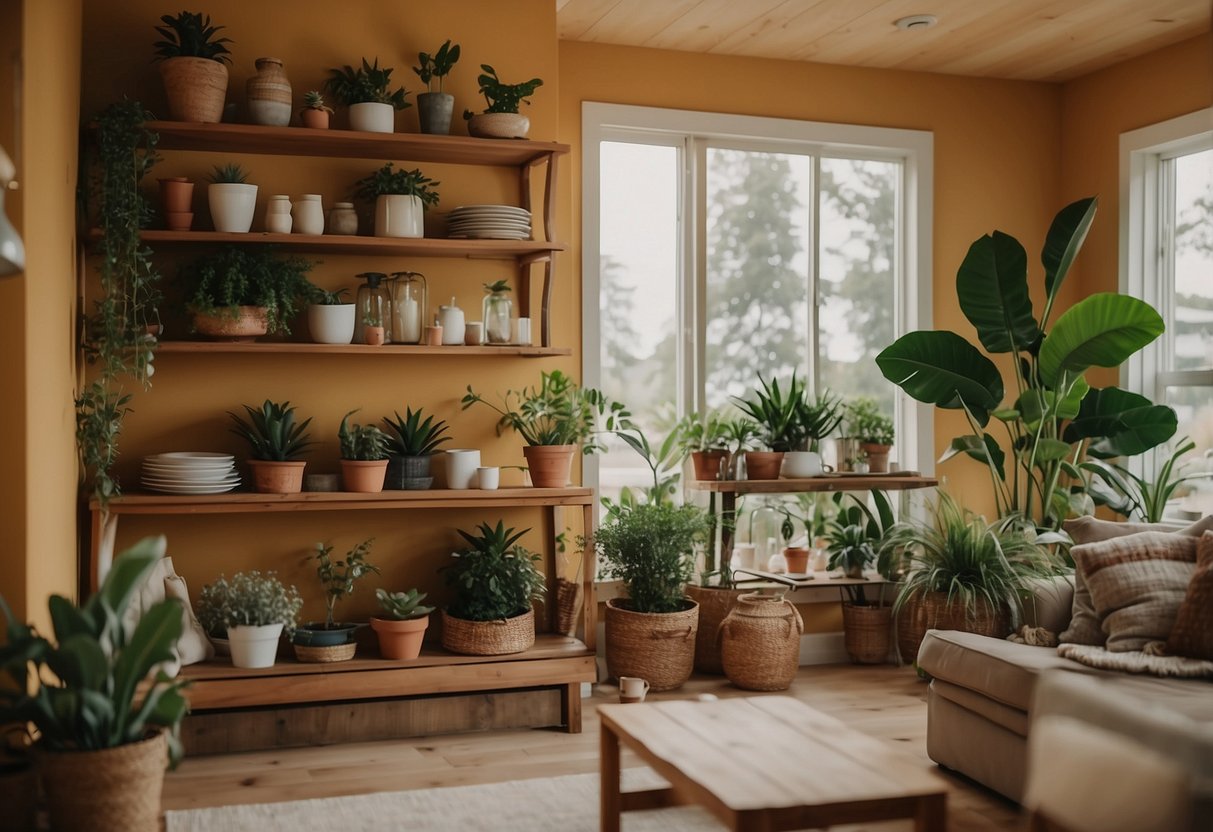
{"x": 1048, "y": 602}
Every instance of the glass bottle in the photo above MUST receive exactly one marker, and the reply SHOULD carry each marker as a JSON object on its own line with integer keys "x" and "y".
{"x": 373, "y": 306}
{"x": 408, "y": 307}
{"x": 765, "y": 533}
{"x": 498, "y": 309}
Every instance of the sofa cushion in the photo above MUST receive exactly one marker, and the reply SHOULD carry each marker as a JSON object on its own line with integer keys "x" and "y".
{"x": 1013, "y": 719}
{"x": 1192, "y": 635}
{"x": 1137, "y": 583}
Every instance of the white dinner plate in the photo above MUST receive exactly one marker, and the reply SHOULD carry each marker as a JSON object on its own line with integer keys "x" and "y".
{"x": 198, "y": 489}
{"x": 480, "y": 209}
{"x": 192, "y": 456}
{"x": 489, "y": 235}
{"x": 230, "y": 476}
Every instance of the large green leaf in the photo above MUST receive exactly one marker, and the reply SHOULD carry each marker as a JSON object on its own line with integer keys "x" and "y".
{"x": 1065, "y": 238}
{"x": 68, "y": 620}
{"x": 1102, "y": 330}
{"x": 1120, "y": 423}
{"x": 943, "y": 369}
{"x": 981, "y": 448}
{"x": 1035, "y": 403}
{"x": 79, "y": 662}
{"x": 992, "y": 286}
{"x": 151, "y": 643}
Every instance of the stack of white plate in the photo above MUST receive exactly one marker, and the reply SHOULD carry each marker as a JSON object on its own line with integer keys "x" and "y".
{"x": 489, "y": 222}
{"x": 190, "y": 472}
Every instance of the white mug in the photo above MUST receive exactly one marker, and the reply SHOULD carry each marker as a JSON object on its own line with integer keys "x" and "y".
{"x": 521, "y": 331}
{"x": 461, "y": 465}
{"x": 488, "y": 478}
{"x": 800, "y": 464}
{"x": 633, "y": 687}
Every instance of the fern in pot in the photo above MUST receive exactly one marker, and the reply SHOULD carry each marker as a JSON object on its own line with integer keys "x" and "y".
{"x": 364, "y": 456}
{"x": 238, "y": 293}
{"x": 276, "y": 442}
{"x": 253, "y": 609}
{"x": 402, "y": 624}
{"x": 413, "y": 441}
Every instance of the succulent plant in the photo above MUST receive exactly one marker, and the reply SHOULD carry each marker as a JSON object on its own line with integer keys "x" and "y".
{"x": 190, "y": 35}
{"x": 361, "y": 442}
{"x": 414, "y": 436}
{"x": 272, "y": 432}
{"x": 229, "y": 174}
{"x": 402, "y": 606}
{"x": 313, "y": 100}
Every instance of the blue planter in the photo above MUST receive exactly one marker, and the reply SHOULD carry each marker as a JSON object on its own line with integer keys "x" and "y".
{"x": 313, "y": 634}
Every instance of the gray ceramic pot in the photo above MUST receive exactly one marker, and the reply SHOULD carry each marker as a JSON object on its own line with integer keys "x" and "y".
{"x": 408, "y": 473}
{"x": 434, "y": 112}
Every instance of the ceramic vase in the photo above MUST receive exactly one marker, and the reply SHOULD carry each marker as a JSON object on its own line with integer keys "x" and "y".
{"x": 372, "y": 117}
{"x": 398, "y": 215}
{"x": 254, "y": 646}
{"x": 278, "y": 215}
{"x": 232, "y": 205}
{"x": 461, "y": 465}
{"x": 308, "y": 213}
{"x": 331, "y": 323}
{"x": 343, "y": 219}
{"x": 269, "y": 94}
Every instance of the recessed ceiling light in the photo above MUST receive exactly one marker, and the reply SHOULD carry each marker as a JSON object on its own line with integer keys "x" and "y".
{"x": 916, "y": 21}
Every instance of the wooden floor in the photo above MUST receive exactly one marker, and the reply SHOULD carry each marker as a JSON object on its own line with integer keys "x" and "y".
{"x": 886, "y": 702}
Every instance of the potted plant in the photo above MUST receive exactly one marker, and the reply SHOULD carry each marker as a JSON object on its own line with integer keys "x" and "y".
{"x": 777, "y": 415}
{"x": 331, "y": 640}
{"x": 372, "y": 329}
{"x": 254, "y": 609}
{"x": 852, "y": 539}
{"x": 501, "y": 119}
{"x": 704, "y": 438}
{"x": 193, "y": 67}
{"x": 553, "y": 418}
{"x": 796, "y": 557}
{"x": 330, "y": 319}
{"x": 107, "y": 727}
{"x": 494, "y": 580}
{"x": 232, "y": 200}
{"x": 816, "y": 419}
{"x": 366, "y": 91}
{"x": 400, "y": 199}
{"x": 874, "y": 430}
{"x": 240, "y": 292}
{"x": 434, "y": 109}
{"x": 315, "y": 113}
{"x": 412, "y": 444}
{"x": 651, "y": 549}
{"x": 402, "y": 626}
{"x": 364, "y": 456}
{"x": 277, "y": 442}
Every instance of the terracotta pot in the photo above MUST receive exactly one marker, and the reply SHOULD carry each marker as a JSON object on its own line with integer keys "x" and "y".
{"x": 195, "y": 87}
{"x": 878, "y": 457}
{"x": 111, "y": 790}
{"x": 363, "y": 476}
{"x": 248, "y": 323}
{"x": 373, "y": 335}
{"x": 763, "y": 465}
{"x": 657, "y": 647}
{"x": 176, "y": 195}
{"x": 707, "y": 464}
{"x": 550, "y": 465}
{"x": 179, "y": 220}
{"x": 933, "y": 611}
{"x": 271, "y": 477}
{"x": 797, "y": 558}
{"x": 714, "y": 605}
{"x": 269, "y": 94}
{"x": 400, "y": 639}
{"x": 315, "y": 119}
{"x": 867, "y": 633}
{"x": 499, "y": 126}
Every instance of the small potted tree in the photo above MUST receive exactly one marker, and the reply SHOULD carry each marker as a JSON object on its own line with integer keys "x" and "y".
{"x": 400, "y": 199}
{"x": 193, "y": 67}
{"x": 874, "y": 430}
{"x": 501, "y": 119}
{"x": 241, "y": 292}
{"x": 364, "y": 456}
{"x": 331, "y": 640}
{"x": 412, "y": 444}
{"x": 776, "y": 413}
{"x": 254, "y": 609}
{"x": 315, "y": 113}
{"x": 704, "y": 438}
{"x": 401, "y": 627}
{"x": 276, "y": 443}
{"x": 330, "y": 319}
{"x": 367, "y": 92}
{"x": 231, "y": 198}
{"x": 495, "y": 580}
{"x": 434, "y": 109}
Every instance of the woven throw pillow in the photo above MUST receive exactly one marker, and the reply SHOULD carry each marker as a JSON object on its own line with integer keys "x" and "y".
{"x": 1192, "y": 635}
{"x": 1137, "y": 583}
{"x": 1084, "y": 625}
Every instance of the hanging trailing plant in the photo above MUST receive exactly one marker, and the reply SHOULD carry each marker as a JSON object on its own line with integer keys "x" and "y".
{"x": 117, "y": 336}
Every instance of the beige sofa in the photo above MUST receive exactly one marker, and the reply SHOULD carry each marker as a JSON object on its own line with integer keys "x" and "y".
{"x": 983, "y": 693}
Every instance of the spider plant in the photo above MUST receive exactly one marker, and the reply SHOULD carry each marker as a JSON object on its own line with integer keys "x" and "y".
{"x": 1134, "y": 496}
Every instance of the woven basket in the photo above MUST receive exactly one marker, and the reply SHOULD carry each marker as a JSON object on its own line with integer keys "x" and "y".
{"x": 328, "y": 653}
{"x": 714, "y": 605}
{"x": 657, "y": 647}
{"x": 867, "y": 633}
{"x": 760, "y": 642}
{"x": 568, "y": 604}
{"x": 933, "y": 611}
{"x": 195, "y": 88}
{"x": 111, "y": 790}
{"x": 488, "y": 638}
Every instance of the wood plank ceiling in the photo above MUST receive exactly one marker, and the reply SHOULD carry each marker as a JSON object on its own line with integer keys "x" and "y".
{"x": 1040, "y": 40}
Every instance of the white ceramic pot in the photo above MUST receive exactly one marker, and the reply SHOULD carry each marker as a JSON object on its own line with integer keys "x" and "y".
{"x": 254, "y": 646}
{"x": 331, "y": 324}
{"x": 461, "y": 465}
{"x": 278, "y": 214}
{"x": 371, "y": 117}
{"x": 232, "y": 206}
{"x": 799, "y": 464}
{"x": 399, "y": 215}
{"x": 488, "y": 479}
{"x": 308, "y": 213}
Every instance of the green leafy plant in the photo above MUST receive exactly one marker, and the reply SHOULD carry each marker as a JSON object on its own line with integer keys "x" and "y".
{"x": 502, "y": 98}
{"x": 386, "y": 180}
{"x": 414, "y": 436}
{"x": 438, "y": 65}
{"x": 272, "y": 432}
{"x": 361, "y": 442}
{"x": 90, "y": 690}
{"x": 1133, "y": 496}
{"x": 229, "y": 174}
{"x": 651, "y": 548}
{"x": 249, "y": 599}
{"x": 498, "y": 286}
{"x": 494, "y": 578}
{"x": 739, "y": 433}
{"x": 699, "y": 432}
{"x": 402, "y": 606}
{"x": 338, "y": 577}
{"x": 556, "y": 412}
{"x": 190, "y": 35}
{"x": 777, "y": 413}
{"x": 867, "y": 423}
{"x": 313, "y": 100}
{"x": 1056, "y": 419}
{"x": 665, "y": 468}
{"x": 369, "y": 84}
{"x": 323, "y": 297}
{"x": 817, "y": 419}
{"x": 235, "y": 276}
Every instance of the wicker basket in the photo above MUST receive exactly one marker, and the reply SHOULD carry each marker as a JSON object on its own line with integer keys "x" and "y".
{"x": 195, "y": 87}
{"x": 488, "y": 638}
{"x": 714, "y": 605}
{"x": 111, "y": 789}
{"x": 568, "y": 604}
{"x": 933, "y": 611}
{"x": 328, "y": 653}
{"x": 867, "y": 633}
{"x": 760, "y": 642}
{"x": 657, "y": 647}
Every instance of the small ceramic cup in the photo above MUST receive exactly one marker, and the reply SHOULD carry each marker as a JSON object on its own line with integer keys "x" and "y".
{"x": 488, "y": 478}
{"x": 632, "y": 689}
{"x": 520, "y": 329}
{"x": 433, "y": 336}
{"x": 473, "y": 332}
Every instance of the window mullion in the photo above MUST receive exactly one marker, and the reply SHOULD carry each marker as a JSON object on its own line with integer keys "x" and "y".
{"x": 814, "y": 276}
{"x": 695, "y": 244}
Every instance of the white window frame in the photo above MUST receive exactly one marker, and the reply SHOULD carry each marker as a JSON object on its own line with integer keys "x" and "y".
{"x": 693, "y": 131}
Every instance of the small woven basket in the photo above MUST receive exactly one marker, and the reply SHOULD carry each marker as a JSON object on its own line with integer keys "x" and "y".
{"x": 113, "y": 788}
{"x": 760, "y": 642}
{"x": 933, "y": 611}
{"x": 867, "y": 633}
{"x": 568, "y": 604}
{"x": 488, "y": 638}
{"x": 714, "y": 605}
{"x": 322, "y": 655}
{"x": 657, "y": 647}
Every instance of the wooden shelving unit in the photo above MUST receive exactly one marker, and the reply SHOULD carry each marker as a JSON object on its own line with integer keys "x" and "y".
{"x": 293, "y": 347}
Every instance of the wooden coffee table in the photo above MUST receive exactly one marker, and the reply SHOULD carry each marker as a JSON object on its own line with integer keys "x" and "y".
{"x": 765, "y": 763}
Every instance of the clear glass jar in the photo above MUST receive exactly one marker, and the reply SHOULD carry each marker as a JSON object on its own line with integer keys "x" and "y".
{"x": 765, "y": 528}
{"x": 373, "y": 306}
{"x": 498, "y": 309}
{"x": 408, "y": 307}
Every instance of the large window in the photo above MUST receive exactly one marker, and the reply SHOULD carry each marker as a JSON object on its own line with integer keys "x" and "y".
{"x": 718, "y": 248}
{"x": 1167, "y": 259}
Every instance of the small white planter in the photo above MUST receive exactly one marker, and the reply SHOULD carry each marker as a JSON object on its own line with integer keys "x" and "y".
{"x": 461, "y": 465}
{"x": 800, "y": 464}
{"x": 232, "y": 206}
{"x": 371, "y": 117}
{"x": 254, "y": 646}
{"x": 331, "y": 324}
{"x": 399, "y": 215}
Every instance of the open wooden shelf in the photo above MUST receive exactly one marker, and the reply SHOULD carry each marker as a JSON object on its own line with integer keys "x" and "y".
{"x": 828, "y": 482}
{"x": 293, "y": 348}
